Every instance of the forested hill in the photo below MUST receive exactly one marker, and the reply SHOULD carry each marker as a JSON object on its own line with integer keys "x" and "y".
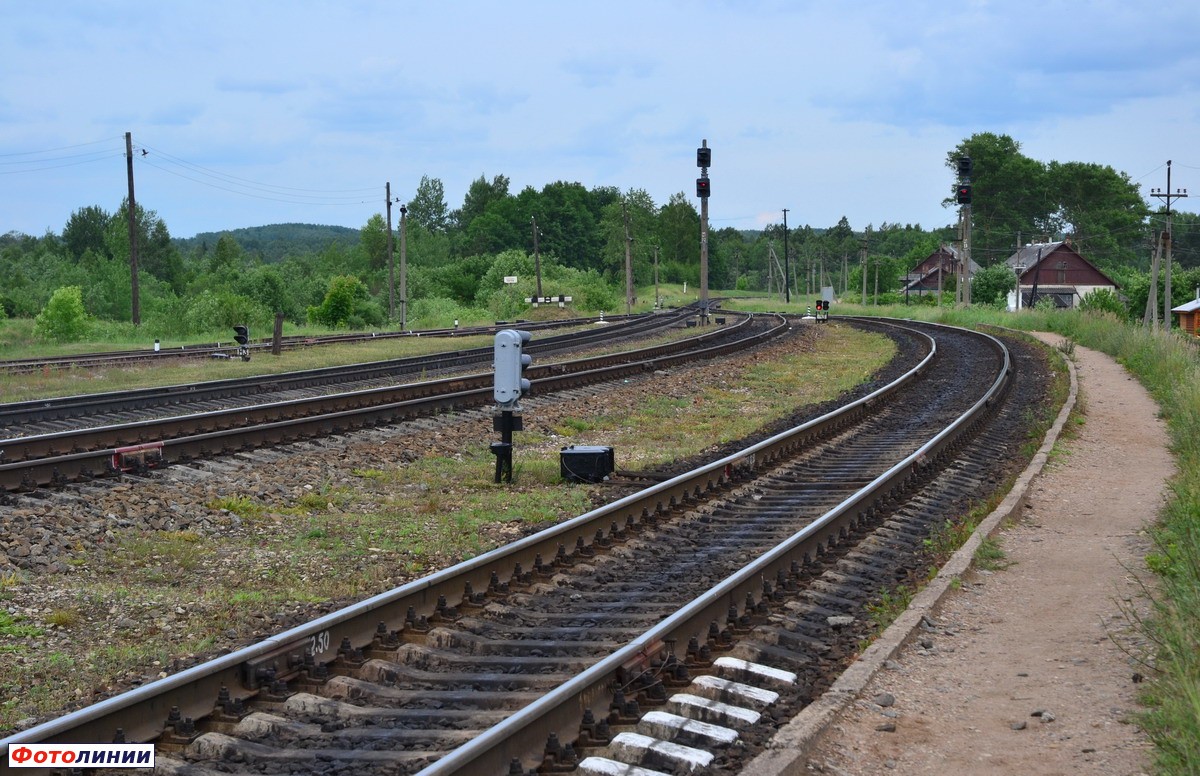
{"x": 276, "y": 242}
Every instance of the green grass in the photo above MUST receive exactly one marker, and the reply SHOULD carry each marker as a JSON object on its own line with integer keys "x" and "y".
{"x": 990, "y": 555}
{"x": 890, "y": 604}
{"x": 15, "y": 627}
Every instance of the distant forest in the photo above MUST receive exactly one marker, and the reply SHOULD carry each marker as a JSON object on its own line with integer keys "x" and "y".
{"x": 274, "y": 243}
{"x": 456, "y": 259}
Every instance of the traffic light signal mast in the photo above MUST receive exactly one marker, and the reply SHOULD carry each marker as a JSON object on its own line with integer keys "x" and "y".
{"x": 703, "y": 161}
{"x": 963, "y": 197}
{"x": 510, "y": 362}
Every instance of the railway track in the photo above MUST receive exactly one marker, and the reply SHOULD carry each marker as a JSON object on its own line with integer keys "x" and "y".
{"x": 217, "y": 350}
{"x": 48, "y": 415}
{"x": 548, "y": 651}
{"x": 52, "y": 459}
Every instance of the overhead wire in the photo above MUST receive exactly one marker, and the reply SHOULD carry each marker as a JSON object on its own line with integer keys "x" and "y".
{"x": 235, "y": 184}
{"x": 294, "y": 199}
{"x": 12, "y": 163}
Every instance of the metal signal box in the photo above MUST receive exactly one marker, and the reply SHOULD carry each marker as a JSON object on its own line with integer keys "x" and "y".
{"x": 586, "y": 463}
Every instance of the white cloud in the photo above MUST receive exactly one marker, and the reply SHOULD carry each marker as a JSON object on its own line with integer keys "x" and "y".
{"x": 826, "y": 109}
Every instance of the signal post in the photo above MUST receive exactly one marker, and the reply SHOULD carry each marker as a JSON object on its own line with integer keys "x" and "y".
{"x": 510, "y": 362}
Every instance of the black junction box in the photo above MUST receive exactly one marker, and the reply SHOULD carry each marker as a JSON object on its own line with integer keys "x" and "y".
{"x": 586, "y": 463}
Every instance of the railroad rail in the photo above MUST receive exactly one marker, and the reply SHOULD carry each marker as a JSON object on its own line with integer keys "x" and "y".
{"x": 29, "y": 462}
{"x": 536, "y": 653}
{"x": 24, "y": 415}
{"x": 290, "y": 342}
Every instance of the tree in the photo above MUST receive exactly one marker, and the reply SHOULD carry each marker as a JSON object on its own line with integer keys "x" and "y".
{"x": 373, "y": 240}
{"x": 226, "y": 257}
{"x": 63, "y": 319}
{"x": 568, "y": 225}
{"x": 480, "y": 196}
{"x": 1185, "y": 230}
{"x": 345, "y": 299}
{"x": 85, "y": 231}
{"x": 643, "y": 228}
{"x": 1010, "y": 194}
{"x": 157, "y": 255}
{"x": 679, "y": 232}
{"x": 428, "y": 205}
{"x": 991, "y": 285}
{"x": 1102, "y": 209}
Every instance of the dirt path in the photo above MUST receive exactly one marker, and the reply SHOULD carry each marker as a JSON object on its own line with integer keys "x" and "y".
{"x": 1023, "y": 670}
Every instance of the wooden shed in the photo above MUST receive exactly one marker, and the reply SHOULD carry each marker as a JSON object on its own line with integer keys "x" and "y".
{"x": 1189, "y": 317}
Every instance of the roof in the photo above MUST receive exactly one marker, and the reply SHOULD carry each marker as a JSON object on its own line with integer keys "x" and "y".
{"x": 1029, "y": 256}
{"x": 1188, "y": 307}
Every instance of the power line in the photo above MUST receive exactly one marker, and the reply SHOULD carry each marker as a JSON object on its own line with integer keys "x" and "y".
{"x": 106, "y": 155}
{"x": 294, "y": 200}
{"x": 59, "y": 148}
{"x": 237, "y": 181}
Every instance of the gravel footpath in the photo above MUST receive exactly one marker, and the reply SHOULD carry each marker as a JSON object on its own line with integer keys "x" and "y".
{"x": 1032, "y": 668}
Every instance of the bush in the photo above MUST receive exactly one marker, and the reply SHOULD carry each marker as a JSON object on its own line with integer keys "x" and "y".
{"x": 347, "y": 297}
{"x": 1104, "y": 300}
{"x": 63, "y": 319}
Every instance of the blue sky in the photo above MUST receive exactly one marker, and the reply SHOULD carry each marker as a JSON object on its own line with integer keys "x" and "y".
{"x": 253, "y": 113}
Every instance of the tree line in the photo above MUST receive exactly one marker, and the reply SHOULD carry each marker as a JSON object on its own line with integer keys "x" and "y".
{"x": 457, "y": 258}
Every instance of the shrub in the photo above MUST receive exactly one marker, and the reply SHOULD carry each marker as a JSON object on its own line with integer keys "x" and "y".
{"x": 63, "y": 319}
{"x": 1104, "y": 300}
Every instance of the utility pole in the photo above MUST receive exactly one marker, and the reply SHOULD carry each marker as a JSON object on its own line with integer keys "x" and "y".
{"x": 628, "y": 262}
{"x": 403, "y": 268}
{"x": 787, "y": 289}
{"x": 862, "y": 245}
{"x": 537, "y": 258}
{"x": 387, "y": 193}
{"x": 133, "y": 242}
{"x": 1151, "y": 317}
{"x": 657, "y": 298}
{"x": 1166, "y": 196}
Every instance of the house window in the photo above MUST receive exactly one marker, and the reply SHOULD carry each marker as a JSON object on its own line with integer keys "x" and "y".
{"x": 1062, "y": 272}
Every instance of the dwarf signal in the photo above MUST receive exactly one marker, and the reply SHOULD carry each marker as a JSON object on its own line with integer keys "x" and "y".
{"x": 241, "y": 333}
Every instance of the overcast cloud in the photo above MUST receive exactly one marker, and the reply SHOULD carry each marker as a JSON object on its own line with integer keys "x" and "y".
{"x": 253, "y": 113}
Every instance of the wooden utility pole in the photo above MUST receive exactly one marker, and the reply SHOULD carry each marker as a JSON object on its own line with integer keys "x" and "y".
{"x": 863, "y": 250}
{"x": 133, "y": 241}
{"x": 628, "y": 261}
{"x": 657, "y": 298}
{"x": 787, "y": 288}
{"x": 537, "y": 259}
{"x": 387, "y": 190}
